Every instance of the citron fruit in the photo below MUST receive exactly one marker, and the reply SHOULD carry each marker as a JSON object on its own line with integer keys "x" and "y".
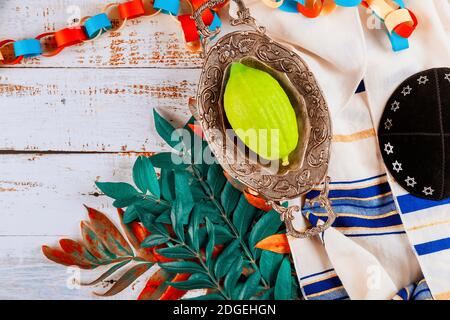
{"x": 260, "y": 113}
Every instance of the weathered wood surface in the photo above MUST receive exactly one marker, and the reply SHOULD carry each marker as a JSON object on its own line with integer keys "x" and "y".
{"x": 90, "y": 109}
{"x": 42, "y": 199}
{"x": 70, "y": 120}
{"x": 147, "y": 42}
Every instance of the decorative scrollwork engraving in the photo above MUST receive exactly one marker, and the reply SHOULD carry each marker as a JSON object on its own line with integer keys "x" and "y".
{"x": 287, "y": 184}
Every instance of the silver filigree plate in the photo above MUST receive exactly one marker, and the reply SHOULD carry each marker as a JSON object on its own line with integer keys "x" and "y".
{"x": 285, "y": 185}
{"x": 309, "y": 162}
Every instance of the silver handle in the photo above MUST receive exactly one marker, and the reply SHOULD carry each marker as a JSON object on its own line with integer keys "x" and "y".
{"x": 287, "y": 214}
{"x": 243, "y": 17}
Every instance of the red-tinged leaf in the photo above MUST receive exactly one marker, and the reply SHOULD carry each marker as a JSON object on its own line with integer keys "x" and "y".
{"x": 139, "y": 231}
{"x": 156, "y": 285}
{"x": 93, "y": 243}
{"x": 277, "y": 243}
{"x": 159, "y": 257}
{"x": 126, "y": 279}
{"x": 217, "y": 250}
{"x": 172, "y": 293}
{"x": 109, "y": 234}
{"x": 196, "y": 129}
{"x": 257, "y": 202}
{"x": 135, "y": 233}
{"x": 65, "y": 259}
{"x": 108, "y": 273}
{"x": 77, "y": 250}
{"x": 192, "y": 102}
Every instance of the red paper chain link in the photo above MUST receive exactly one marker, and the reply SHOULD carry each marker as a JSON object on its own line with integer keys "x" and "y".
{"x": 129, "y": 10}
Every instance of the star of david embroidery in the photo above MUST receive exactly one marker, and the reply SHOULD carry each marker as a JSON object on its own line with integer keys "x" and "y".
{"x": 395, "y": 106}
{"x": 388, "y": 124}
{"x": 423, "y": 80}
{"x": 447, "y": 77}
{"x": 410, "y": 182}
{"x": 428, "y": 191}
{"x": 406, "y": 90}
{"x": 388, "y": 148}
{"x": 397, "y": 166}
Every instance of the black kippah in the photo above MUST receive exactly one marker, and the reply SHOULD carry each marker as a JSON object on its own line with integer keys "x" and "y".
{"x": 414, "y": 134}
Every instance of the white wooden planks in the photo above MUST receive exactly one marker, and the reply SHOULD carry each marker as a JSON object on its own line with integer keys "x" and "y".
{"x": 44, "y": 194}
{"x": 42, "y": 199}
{"x": 90, "y": 109}
{"x": 70, "y": 120}
{"x": 150, "y": 42}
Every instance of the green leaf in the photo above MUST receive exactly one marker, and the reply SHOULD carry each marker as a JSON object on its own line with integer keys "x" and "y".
{"x": 154, "y": 240}
{"x": 212, "y": 296}
{"x": 164, "y": 217}
{"x": 176, "y": 252}
{"x": 130, "y": 214}
{"x": 226, "y": 259}
{"x": 182, "y": 267}
{"x": 198, "y": 193}
{"x": 229, "y": 198}
{"x": 167, "y": 184}
{"x": 167, "y": 132}
{"x": 193, "y": 229}
{"x": 169, "y": 161}
{"x": 269, "y": 265}
{"x": 211, "y": 243}
{"x": 243, "y": 215}
{"x": 196, "y": 281}
{"x": 208, "y": 209}
{"x": 268, "y": 225}
{"x": 177, "y": 217}
{"x": 144, "y": 176}
{"x": 148, "y": 220}
{"x": 267, "y": 295}
{"x": 118, "y": 190}
{"x": 222, "y": 234}
{"x": 283, "y": 285}
{"x": 233, "y": 275}
{"x": 295, "y": 288}
{"x": 151, "y": 206}
{"x": 250, "y": 288}
{"x": 216, "y": 179}
{"x": 183, "y": 194}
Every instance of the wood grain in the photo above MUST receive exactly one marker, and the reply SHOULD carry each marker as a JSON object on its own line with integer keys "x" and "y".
{"x": 74, "y": 119}
{"x": 97, "y": 110}
{"x": 42, "y": 199}
{"x": 147, "y": 42}
{"x": 44, "y": 194}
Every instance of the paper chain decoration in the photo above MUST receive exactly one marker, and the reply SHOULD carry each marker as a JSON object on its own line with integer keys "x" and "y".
{"x": 399, "y": 21}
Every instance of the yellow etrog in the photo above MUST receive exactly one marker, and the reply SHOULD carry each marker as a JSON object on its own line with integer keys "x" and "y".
{"x": 260, "y": 113}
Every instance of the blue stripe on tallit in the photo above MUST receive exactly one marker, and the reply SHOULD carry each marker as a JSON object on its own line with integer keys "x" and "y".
{"x": 432, "y": 246}
{"x": 360, "y": 180}
{"x": 389, "y": 221}
{"x": 316, "y": 274}
{"x": 361, "y": 87}
{"x": 370, "y": 208}
{"x": 350, "y": 222}
{"x": 338, "y": 294}
{"x": 375, "y": 234}
{"x": 415, "y": 291}
{"x": 363, "y": 208}
{"x": 323, "y": 285}
{"x": 368, "y": 192}
{"x": 409, "y": 203}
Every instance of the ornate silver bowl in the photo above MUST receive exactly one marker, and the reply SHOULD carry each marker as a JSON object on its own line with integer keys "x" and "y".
{"x": 309, "y": 161}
